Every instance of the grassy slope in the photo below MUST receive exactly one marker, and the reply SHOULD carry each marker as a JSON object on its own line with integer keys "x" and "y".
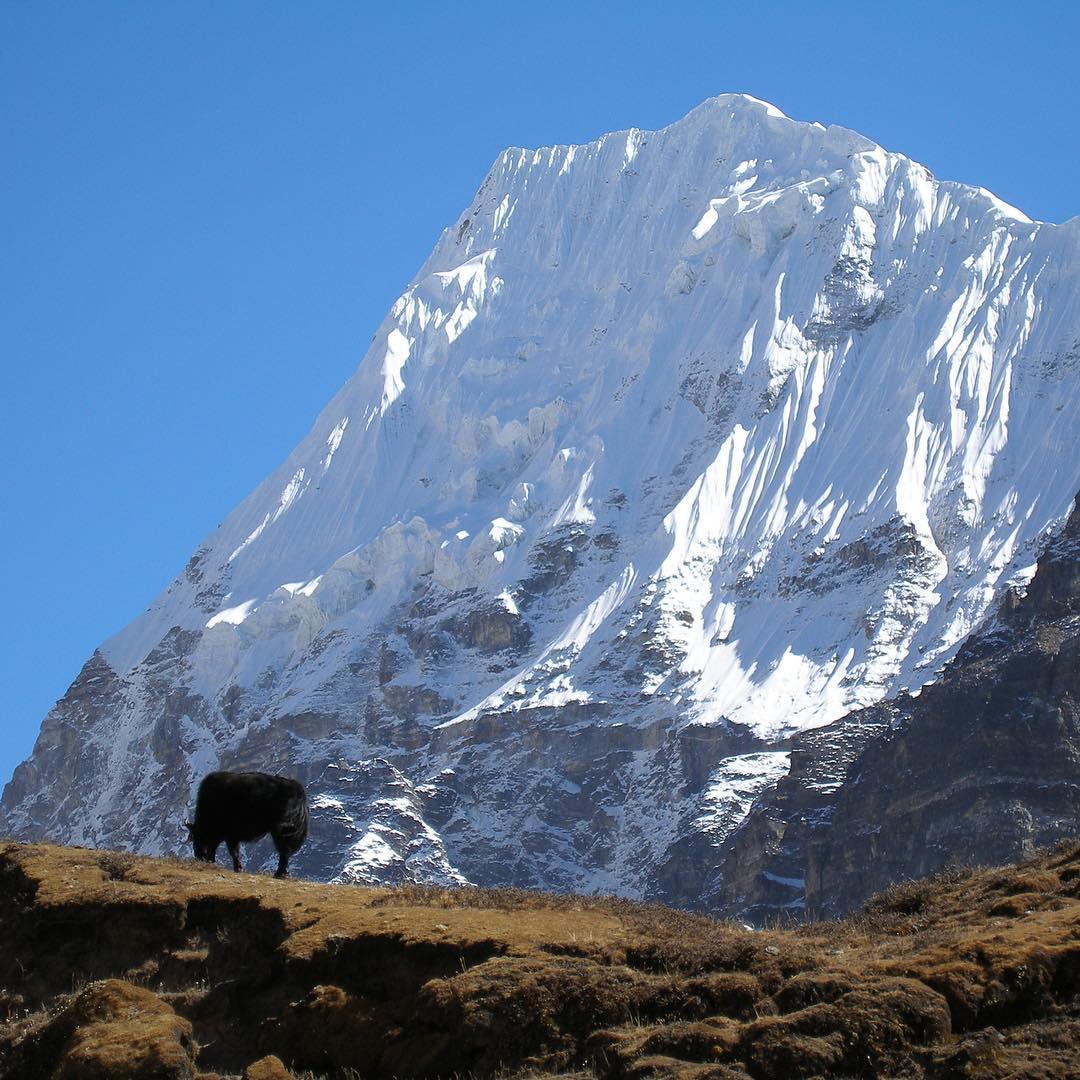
{"x": 973, "y": 975}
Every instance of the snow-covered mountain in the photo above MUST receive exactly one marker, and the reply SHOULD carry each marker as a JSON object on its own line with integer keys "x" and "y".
{"x": 680, "y": 442}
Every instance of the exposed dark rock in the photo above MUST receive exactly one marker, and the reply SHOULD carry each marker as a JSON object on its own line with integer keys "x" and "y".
{"x": 854, "y": 302}
{"x": 981, "y": 767}
{"x": 371, "y": 806}
{"x": 408, "y": 700}
{"x": 489, "y": 629}
{"x": 895, "y": 547}
{"x": 760, "y": 872}
{"x": 554, "y": 562}
{"x": 211, "y": 596}
{"x": 61, "y": 752}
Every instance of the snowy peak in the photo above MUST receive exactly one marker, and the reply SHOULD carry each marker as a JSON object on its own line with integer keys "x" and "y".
{"x": 694, "y": 438}
{"x": 714, "y": 279}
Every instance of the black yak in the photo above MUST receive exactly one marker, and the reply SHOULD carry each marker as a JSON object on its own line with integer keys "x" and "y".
{"x": 237, "y": 807}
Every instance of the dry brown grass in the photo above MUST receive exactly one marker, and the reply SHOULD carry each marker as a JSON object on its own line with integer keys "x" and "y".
{"x": 970, "y": 974}
{"x": 110, "y": 1029}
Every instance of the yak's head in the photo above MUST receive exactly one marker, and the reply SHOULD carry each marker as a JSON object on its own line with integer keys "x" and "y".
{"x": 202, "y": 847}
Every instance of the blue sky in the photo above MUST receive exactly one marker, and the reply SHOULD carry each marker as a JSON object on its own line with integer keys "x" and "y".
{"x": 206, "y": 209}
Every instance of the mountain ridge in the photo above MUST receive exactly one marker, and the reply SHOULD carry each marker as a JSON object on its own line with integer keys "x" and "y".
{"x": 679, "y": 443}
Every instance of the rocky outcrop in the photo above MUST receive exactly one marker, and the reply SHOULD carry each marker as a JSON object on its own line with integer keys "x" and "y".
{"x": 760, "y": 871}
{"x": 378, "y": 823}
{"x": 981, "y": 767}
{"x": 65, "y": 755}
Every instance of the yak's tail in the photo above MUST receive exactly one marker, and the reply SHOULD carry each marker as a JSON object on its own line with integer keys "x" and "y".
{"x": 293, "y": 826}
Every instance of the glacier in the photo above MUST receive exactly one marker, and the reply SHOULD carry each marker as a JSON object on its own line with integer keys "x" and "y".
{"x": 680, "y": 443}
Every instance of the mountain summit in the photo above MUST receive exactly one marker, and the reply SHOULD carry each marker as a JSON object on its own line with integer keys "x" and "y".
{"x": 680, "y": 443}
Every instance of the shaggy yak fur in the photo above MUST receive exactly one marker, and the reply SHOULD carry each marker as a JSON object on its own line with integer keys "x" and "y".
{"x": 240, "y": 807}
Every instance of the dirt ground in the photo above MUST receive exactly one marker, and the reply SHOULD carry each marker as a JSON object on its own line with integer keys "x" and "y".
{"x": 121, "y": 966}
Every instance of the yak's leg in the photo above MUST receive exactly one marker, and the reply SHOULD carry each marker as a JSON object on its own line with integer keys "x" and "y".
{"x": 283, "y": 858}
{"x": 234, "y": 851}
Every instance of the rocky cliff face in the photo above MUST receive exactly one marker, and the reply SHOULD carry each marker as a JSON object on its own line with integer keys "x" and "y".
{"x": 680, "y": 444}
{"x": 982, "y": 767}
